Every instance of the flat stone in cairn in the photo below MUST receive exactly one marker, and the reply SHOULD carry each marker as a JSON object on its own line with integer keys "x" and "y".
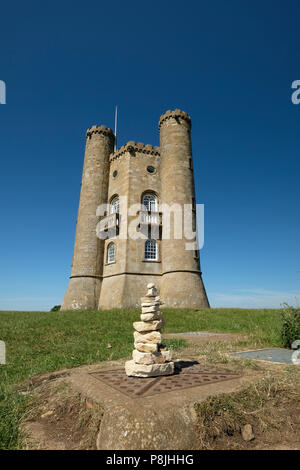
{"x": 150, "y": 309}
{"x": 150, "y": 337}
{"x": 149, "y": 358}
{"x": 151, "y": 316}
{"x": 166, "y": 354}
{"x": 142, "y": 326}
{"x": 146, "y": 347}
{"x": 152, "y": 370}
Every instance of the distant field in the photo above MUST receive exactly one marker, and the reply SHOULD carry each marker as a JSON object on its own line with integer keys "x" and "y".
{"x": 39, "y": 342}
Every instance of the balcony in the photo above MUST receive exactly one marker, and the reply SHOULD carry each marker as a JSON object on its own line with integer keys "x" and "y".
{"x": 150, "y": 224}
{"x": 109, "y": 226}
{"x": 150, "y": 218}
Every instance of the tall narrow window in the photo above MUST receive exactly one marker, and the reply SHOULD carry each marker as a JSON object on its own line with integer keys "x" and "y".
{"x": 111, "y": 253}
{"x": 150, "y": 250}
{"x": 115, "y": 205}
{"x": 150, "y": 202}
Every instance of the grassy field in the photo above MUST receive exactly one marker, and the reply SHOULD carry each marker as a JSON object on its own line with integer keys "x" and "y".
{"x": 39, "y": 342}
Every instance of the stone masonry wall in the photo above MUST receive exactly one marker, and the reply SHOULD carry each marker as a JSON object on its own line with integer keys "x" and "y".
{"x": 94, "y": 282}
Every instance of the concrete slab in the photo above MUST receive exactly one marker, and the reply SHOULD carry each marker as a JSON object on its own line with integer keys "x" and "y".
{"x": 165, "y": 421}
{"x": 278, "y": 355}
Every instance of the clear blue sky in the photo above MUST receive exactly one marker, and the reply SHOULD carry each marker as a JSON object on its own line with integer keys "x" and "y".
{"x": 230, "y": 64}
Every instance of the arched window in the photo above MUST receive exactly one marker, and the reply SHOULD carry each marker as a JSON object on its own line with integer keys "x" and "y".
{"x": 150, "y": 250}
{"x": 115, "y": 205}
{"x": 150, "y": 202}
{"x": 111, "y": 253}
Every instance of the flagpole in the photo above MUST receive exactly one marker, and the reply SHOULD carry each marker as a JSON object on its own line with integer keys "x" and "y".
{"x": 116, "y": 120}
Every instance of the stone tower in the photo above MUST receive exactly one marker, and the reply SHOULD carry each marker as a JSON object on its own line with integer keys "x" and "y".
{"x": 181, "y": 281}
{"x": 85, "y": 281}
{"x": 137, "y": 181}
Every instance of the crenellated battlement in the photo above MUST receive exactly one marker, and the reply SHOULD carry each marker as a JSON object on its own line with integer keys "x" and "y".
{"x": 100, "y": 130}
{"x": 177, "y": 113}
{"x": 133, "y": 147}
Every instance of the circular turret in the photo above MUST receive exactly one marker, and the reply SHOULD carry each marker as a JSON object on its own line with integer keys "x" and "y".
{"x": 181, "y": 283}
{"x": 85, "y": 280}
{"x": 176, "y": 114}
{"x": 102, "y": 130}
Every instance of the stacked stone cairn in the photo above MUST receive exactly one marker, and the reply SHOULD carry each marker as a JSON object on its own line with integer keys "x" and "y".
{"x": 149, "y": 358}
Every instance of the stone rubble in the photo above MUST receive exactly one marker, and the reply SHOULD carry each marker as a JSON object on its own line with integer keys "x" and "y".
{"x": 150, "y": 358}
{"x": 247, "y": 433}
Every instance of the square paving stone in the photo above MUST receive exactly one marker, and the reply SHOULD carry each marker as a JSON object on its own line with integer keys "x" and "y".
{"x": 284, "y": 356}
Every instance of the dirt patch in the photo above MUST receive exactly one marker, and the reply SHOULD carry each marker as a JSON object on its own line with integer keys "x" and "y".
{"x": 202, "y": 340}
{"x": 270, "y": 408}
{"x": 36, "y": 380}
{"x": 61, "y": 418}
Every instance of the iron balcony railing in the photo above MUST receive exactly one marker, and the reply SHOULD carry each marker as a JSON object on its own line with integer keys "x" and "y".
{"x": 109, "y": 222}
{"x": 150, "y": 218}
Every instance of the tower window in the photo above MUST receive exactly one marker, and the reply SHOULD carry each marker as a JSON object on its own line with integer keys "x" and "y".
{"x": 150, "y": 250}
{"x": 115, "y": 206}
{"x": 115, "y": 174}
{"x": 150, "y": 202}
{"x": 111, "y": 253}
{"x": 150, "y": 169}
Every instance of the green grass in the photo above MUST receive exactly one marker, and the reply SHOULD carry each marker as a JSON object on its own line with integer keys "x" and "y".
{"x": 265, "y": 405}
{"x": 39, "y": 342}
{"x": 263, "y": 326}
